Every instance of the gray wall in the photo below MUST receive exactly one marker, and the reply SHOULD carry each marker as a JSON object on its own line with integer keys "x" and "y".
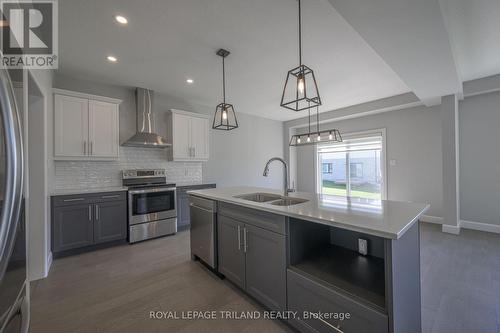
{"x": 480, "y": 158}
{"x": 236, "y": 157}
{"x": 413, "y": 139}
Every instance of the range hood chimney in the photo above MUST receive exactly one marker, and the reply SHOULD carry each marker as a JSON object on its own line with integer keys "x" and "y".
{"x": 145, "y": 135}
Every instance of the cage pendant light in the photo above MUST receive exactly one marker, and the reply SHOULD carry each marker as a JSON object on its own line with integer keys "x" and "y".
{"x": 225, "y": 117}
{"x": 301, "y": 90}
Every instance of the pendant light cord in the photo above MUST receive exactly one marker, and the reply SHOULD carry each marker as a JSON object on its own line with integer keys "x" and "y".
{"x": 223, "y": 82}
{"x": 300, "y": 35}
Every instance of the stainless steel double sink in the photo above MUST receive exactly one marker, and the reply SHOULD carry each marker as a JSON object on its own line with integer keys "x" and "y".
{"x": 273, "y": 199}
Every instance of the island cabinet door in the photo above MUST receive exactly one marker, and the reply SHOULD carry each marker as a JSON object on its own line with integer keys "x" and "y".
{"x": 231, "y": 251}
{"x": 265, "y": 266}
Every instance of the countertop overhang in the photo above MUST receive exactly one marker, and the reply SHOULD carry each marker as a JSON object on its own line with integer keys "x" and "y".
{"x": 382, "y": 218}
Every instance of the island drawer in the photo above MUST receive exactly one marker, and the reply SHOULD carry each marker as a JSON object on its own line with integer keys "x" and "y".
{"x": 258, "y": 218}
{"x": 307, "y": 296}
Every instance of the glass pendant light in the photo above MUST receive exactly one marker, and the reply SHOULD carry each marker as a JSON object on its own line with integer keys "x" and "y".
{"x": 301, "y": 90}
{"x": 318, "y": 136}
{"x": 224, "y": 117}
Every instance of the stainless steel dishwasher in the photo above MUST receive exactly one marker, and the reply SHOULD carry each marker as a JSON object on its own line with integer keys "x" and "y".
{"x": 204, "y": 230}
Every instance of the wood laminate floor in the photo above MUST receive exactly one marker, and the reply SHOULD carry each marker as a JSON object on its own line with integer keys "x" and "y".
{"x": 114, "y": 290}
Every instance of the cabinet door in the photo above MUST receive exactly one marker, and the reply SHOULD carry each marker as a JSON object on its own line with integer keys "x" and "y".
{"x": 199, "y": 138}
{"x": 110, "y": 221}
{"x": 70, "y": 126}
{"x": 72, "y": 227}
{"x": 181, "y": 137}
{"x": 103, "y": 129}
{"x": 266, "y": 266}
{"x": 183, "y": 216}
{"x": 231, "y": 252}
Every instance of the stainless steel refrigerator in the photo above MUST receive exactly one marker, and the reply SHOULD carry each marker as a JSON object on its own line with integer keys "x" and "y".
{"x": 14, "y": 305}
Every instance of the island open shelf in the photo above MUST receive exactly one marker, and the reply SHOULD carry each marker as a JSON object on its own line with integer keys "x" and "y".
{"x": 329, "y": 256}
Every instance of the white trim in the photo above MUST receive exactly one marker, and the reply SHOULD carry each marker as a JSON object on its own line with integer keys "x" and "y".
{"x": 87, "y": 96}
{"x": 191, "y": 114}
{"x": 383, "y": 157}
{"x": 451, "y": 229}
{"x": 494, "y": 228}
{"x": 49, "y": 264}
{"x": 431, "y": 219}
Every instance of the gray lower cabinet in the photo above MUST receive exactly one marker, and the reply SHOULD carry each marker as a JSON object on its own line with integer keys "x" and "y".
{"x": 183, "y": 212}
{"x": 231, "y": 252}
{"x": 72, "y": 227}
{"x": 108, "y": 221}
{"x": 253, "y": 258}
{"x": 81, "y": 221}
{"x": 266, "y": 266}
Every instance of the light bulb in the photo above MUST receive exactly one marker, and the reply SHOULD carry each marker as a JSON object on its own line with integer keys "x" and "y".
{"x": 298, "y": 139}
{"x": 330, "y": 137}
{"x": 319, "y": 137}
{"x": 224, "y": 114}
{"x": 308, "y": 139}
{"x": 301, "y": 84}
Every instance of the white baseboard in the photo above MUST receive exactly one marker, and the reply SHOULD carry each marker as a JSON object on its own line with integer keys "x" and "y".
{"x": 451, "y": 229}
{"x": 431, "y": 219}
{"x": 494, "y": 228}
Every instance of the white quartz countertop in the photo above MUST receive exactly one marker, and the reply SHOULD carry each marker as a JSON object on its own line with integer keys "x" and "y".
{"x": 383, "y": 218}
{"x": 87, "y": 190}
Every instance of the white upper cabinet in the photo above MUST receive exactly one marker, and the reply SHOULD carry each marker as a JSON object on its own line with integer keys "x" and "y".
{"x": 189, "y": 134}
{"x": 86, "y": 127}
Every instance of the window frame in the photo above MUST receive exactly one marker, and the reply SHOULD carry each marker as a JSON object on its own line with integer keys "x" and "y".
{"x": 383, "y": 158}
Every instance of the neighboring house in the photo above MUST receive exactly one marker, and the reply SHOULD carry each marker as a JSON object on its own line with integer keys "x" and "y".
{"x": 362, "y": 170}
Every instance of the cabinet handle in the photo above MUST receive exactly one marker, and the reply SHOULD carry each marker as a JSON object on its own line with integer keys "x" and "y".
{"x": 73, "y": 200}
{"x": 110, "y": 196}
{"x": 239, "y": 238}
{"x": 90, "y": 213}
{"x": 97, "y": 212}
{"x": 245, "y": 245}
{"x": 84, "y": 147}
{"x": 91, "y": 147}
{"x": 336, "y": 328}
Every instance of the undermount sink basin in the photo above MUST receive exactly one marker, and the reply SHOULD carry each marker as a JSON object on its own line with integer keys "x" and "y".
{"x": 259, "y": 197}
{"x": 288, "y": 201}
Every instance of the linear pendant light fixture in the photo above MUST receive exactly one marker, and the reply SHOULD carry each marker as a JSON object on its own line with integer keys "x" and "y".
{"x": 224, "y": 118}
{"x": 312, "y": 138}
{"x": 301, "y": 90}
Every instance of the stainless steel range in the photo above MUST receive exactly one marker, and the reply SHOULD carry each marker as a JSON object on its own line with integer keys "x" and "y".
{"x": 151, "y": 204}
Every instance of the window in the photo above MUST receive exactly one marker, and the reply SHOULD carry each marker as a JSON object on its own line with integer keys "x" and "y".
{"x": 356, "y": 170}
{"x": 327, "y": 167}
{"x": 354, "y": 167}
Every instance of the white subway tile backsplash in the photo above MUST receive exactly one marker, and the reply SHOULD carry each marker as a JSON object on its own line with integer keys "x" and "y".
{"x": 80, "y": 174}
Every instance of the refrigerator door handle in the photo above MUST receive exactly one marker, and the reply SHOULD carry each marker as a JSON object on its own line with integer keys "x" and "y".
{"x": 12, "y": 201}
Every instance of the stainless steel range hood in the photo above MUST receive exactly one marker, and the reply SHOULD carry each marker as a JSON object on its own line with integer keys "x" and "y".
{"x": 145, "y": 135}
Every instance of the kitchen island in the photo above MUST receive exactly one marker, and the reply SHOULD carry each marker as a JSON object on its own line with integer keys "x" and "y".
{"x": 301, "y": 253}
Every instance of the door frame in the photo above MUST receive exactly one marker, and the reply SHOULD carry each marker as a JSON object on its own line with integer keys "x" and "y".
{"x": 383, "y": 157}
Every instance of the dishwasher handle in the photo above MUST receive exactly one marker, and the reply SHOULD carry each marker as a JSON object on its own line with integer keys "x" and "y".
{"x": 204, "y": 209}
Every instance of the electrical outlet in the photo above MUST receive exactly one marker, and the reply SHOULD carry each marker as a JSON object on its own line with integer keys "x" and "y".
{"x": 393, "y": 162}
{"x": 362, "y": 246}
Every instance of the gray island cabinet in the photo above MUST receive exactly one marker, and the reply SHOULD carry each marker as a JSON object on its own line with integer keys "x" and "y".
{"x": 304, "y": 258}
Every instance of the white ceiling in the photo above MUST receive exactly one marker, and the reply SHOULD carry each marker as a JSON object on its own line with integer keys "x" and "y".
{"x": 167, "y": 41}
{"x": 474, "y": 28}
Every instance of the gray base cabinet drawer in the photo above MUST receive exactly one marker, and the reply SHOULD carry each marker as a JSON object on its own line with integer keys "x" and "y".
{"x": 265, "y": 220}
{"x": 305, "y": 295}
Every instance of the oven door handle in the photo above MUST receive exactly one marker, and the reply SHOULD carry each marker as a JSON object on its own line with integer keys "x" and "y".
{"x": 153, "y": 190}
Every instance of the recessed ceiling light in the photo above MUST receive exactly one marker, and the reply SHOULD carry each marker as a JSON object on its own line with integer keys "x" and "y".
{"x": 112, "y": 58}
{"x": 190, "y": 81}
{"x": 121, "y": 19}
